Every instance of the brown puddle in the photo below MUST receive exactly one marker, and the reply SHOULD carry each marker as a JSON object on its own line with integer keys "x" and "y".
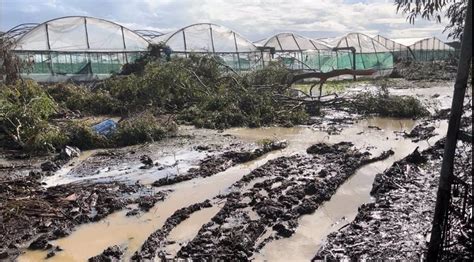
{"x": 189, "y": 228}
{"x": 342, "y": 208}
{"x": 117, "y": 229}
{"x": 91, "y": 239}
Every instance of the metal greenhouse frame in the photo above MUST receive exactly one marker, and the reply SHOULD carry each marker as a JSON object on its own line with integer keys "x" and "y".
{"x": 370, "y": 54}
{"x": 229, "y": 47}
{"x": 77, "y": 47}
{"x": 300, "y": 53}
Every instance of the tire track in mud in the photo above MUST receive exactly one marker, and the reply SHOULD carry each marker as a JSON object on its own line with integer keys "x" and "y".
{"x": 290, "y": 186}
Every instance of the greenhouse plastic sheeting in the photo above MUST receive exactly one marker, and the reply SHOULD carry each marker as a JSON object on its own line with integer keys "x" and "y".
{"x": 399, "y": 51}
{"x": 370, "y": 54}
{"x": 81, "y": 34}
{"x": 206, "y": 38}
{"x": 78, "y": 46}
{"x": 227, "y": 46}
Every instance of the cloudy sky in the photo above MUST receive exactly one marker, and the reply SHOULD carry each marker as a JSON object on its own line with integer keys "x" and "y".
{"x": 255, "y": 19}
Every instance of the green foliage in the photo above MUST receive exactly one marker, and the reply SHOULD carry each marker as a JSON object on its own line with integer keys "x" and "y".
{"x": 170, "y": 85}
{"x": 434, "y": 9}
{"x": 141, "y": 128}
{"x": 81, "y": 135}
{"x": 197, "y": 89}
{"x": 81, "y": 98}
{"x": 384, "y": 104}
{"x": 48, "y": 139}
{"x": 24, "y": 112}
{"x": 275, "y": 73}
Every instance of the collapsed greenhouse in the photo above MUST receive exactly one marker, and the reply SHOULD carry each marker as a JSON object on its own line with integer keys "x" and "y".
{"x": 300, "y": 53}
{"x": 205, "y": 38}
{"x": 86, "y": 48}
{"x": 369, "y": 53}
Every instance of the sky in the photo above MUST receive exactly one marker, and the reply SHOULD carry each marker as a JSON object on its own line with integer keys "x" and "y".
{"x": 254, "y": 19}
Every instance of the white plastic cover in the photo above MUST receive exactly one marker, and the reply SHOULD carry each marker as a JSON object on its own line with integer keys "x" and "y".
{"x": 294, "y": 42}
{"x": 431, "y": 43}
{"x": 362, "y": 43}
{"x": 81, "y": 34}
{"x": 390, "y": 44}
{"x": 206, "y": 38}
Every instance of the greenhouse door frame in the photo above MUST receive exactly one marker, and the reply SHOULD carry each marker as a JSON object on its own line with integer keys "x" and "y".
{"x": 353, "y": 50}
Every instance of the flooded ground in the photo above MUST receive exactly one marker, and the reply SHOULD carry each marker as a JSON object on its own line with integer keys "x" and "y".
{"x": 373, "y": 134}
{"x": 343, "y": 206}
{"x": 130, "y": 232}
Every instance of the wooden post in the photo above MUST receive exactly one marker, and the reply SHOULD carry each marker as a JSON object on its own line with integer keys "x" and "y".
{"x": 445, "y": 180}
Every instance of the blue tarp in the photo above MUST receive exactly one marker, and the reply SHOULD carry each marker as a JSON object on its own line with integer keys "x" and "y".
{"x": 105, "y": 127}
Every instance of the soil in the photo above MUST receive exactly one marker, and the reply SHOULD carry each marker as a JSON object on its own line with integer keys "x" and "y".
{"x": 152, "y": 246}
{"x": 397, "y": 225}
{"x": 214, "y": 164}
{"x": 32, "y": 215}
{"x": 272, "y": 198}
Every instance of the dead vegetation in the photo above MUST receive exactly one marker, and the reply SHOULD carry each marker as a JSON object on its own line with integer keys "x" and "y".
{"x": 157, "y": 94}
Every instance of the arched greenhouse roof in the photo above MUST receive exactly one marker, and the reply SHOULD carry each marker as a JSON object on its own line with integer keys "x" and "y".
{"x": 206, "y": 38}
{"x": 390, "y": 44}
{"x": 429, "y": 43}
{"x": 81, "y": 33}
{"x": 293, "y": 42}
{"x": 148, "y": 34}
{"x": 361, "y": 42}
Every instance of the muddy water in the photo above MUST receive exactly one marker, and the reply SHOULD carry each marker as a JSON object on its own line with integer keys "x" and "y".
{"x": 130, "y": 232}
{"x": 117, "y": 229}
{"x": 343, "y": 206}
{"x": 189, "y": 228}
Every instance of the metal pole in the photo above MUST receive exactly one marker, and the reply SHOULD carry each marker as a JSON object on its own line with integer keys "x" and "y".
{"x": 445, "y": 179}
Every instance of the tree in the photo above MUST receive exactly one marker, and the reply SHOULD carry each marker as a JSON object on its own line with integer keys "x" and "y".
{"x": 454, "y": 10}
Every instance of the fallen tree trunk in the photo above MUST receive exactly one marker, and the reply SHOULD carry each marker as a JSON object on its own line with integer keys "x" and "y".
{"x": 325, "y": 76}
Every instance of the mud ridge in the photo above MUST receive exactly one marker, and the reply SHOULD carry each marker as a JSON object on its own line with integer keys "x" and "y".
{"x": 272, "y": 198}
{"x": 152, "y": 246}
{"x": 214, "y": 164}
{"x": 33, "y": 215}
{"x": 398, "y": 223}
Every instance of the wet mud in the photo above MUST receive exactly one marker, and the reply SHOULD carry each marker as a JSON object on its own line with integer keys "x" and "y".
{"x": 214, "y": 164}
{"x": 256, "y": 194}
{"x": 32, "y": 215}
{"x": 291, "y": 187}
{"x": 398, "y": 224}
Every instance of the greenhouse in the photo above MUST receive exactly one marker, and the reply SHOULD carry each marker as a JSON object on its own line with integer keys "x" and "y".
{"x": 77, "y": 47}
{"x": 148, "y": 34}
{"x": 428, "y": 49}
{"x": 369, "y": 53}
{"x": 300, "y": 53}
{"x": 231, "y": 48}
{"x": 399, "y": 51}
{"x": 85, "y": 48}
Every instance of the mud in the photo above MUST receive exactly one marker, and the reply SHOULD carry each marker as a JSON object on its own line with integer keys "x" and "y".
{"x": 111, "y": 254}
{"x": 152, "y": 246}
{"x": 423, "y": 131}
{"x": 32, "y": 215}
{"x": 398, "y": 223}
{"x": 214, "y": 164}
{"x": 292, "y": 186}
{"x": 272, "y": 191}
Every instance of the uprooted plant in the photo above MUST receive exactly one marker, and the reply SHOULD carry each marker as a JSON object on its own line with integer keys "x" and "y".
{"x": 197, "y": 90}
